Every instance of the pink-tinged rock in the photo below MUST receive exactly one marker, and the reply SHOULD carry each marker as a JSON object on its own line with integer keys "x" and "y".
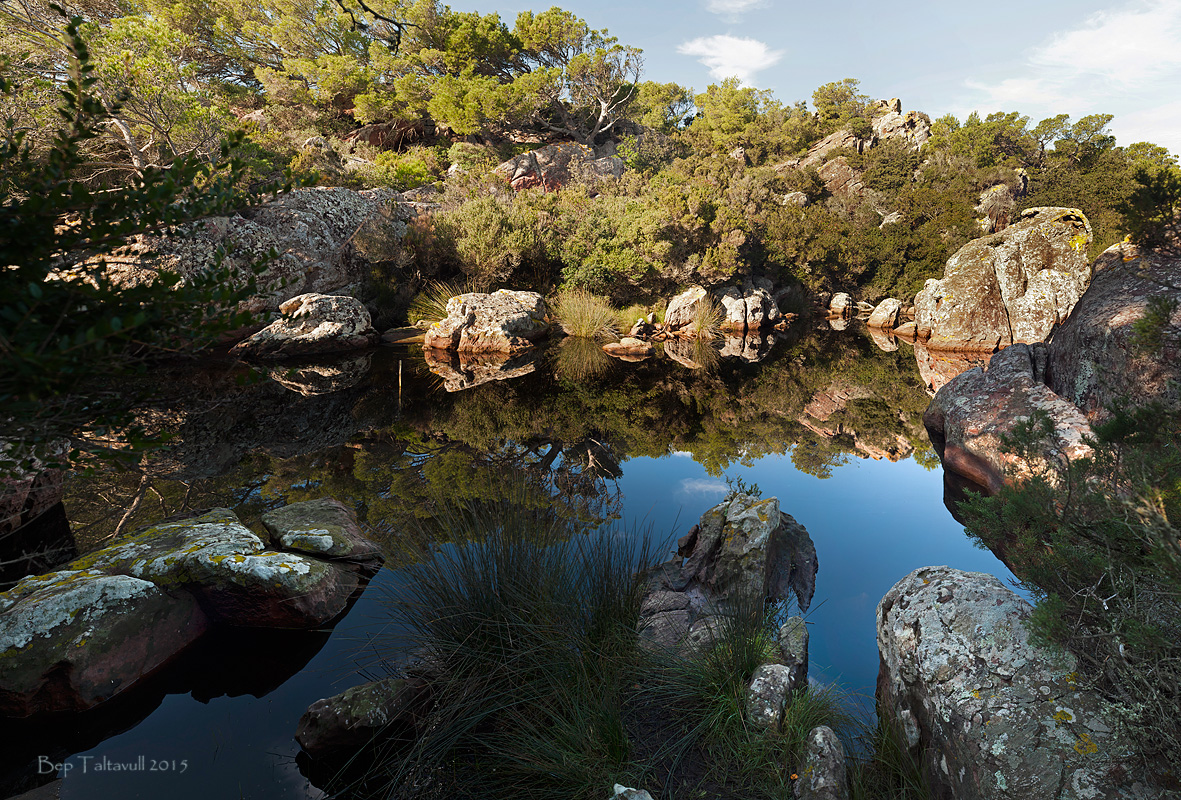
{"x": 629, "y": 349}
{"x": 553, "y": 166}
{"x": 312, "y": 324}
{"x": 1012, "y": 286}
{"x": 989, "y": 714}
{"x": 1094, "y": 360}
{"x": 501, "y": 322}
{"x": 968, "y": 418}
{"x": 887, "y": 314}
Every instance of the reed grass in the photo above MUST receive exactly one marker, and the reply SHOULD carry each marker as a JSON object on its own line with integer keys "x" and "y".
{"x": 430, "y": 305}
{"x": 707, "y": 319}
{"x": 586, "y": 315}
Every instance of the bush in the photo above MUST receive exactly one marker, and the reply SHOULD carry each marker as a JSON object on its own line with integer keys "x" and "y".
{"x": 586, "y": 315}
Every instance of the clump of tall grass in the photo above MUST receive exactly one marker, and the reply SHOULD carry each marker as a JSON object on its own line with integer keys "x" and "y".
{"x": 586, "y": 315}
{"x": 430, "y": 305}
{"x": 707, "y": 319}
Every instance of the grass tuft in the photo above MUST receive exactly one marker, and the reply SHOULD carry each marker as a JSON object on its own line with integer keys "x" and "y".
{"x": 707, "y": 319}
{"x": 586, "y": 315}
{"x": 430, "y": 304}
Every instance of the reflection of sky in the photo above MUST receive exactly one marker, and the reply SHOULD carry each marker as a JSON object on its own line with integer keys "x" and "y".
{"x": 873, "y": 522}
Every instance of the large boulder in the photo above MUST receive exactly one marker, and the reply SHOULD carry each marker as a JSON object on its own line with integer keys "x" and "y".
{"x": 990, "y": 714}
{"x": 319, "y": 235}
{"x": 969, "y": 418}
{"x": 912, "y": 128}
{"x": 887, "y": 314}
{"x": 1012, "y": 286}
{"x": 750, "y": 306}
{"x": 683, "y": 308}
{"x": 312, "y": 324}
{"x": 823, "y": 775}
{"x": 502, "y": 322}
{"x": 555, "y": 165}
{"x": 1094, "y": 360}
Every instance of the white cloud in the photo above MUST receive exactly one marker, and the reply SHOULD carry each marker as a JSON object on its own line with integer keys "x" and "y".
{"x": 1126, "y": 61}
{"x": 728, "y": 56}
{"x": 733, "y": 9}
{"x": 702, "y": 486}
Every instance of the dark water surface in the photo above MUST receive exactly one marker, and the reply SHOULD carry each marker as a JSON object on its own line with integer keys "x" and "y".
{"x": 636, "y": 444}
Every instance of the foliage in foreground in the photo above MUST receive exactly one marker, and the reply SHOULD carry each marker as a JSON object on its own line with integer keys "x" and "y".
{"x": 1099, "y": 550}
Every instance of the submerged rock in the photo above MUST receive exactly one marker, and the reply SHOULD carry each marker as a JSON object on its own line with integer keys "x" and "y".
{"x": 1009, "y": 287}
{"x": 326, "y": 528}
{"x": 312, "y": 324}
{"x": 502, "y": 322}
{"x": 969, "y": 417}
{"x": 990, "y": 714}
{"x": 358, "y": 717}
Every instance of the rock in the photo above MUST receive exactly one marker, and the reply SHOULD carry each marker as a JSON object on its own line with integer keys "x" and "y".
{"x": 841, "y": 305}
{"x": 318, "y": 234}
{"x": 838, "y": 140}
{"x": 767, "y": 694}
{"x": 1012, "y": 286}
{"x": 937, "y": 367}
{"x": 892, "y": 218}
{"x": 887, "y": 314}
{"x": 386, "y": 135}
{"x": 751, "y": 347}
{"x": 73, "y": 639}
{"x": 407, "y": 334}
{"x": 997, "y": 204}
{"x": 798, "y": 199}
{"x": 555, "y": 165}
{"x": 793, "y": 649}
{"x": 629, "y": 349}
{"x": 907, "y": 330}
{"x": 823, "y": 775}
{"x": 1093, "y": 361}
{"x": 325, "y": 528}
{"x": 990, "y": 714}
{"x": 683, "y": 308}
{"x": 312, "y": 324}
{"x": 466, "y": 371}
{"x": 750, "y": 307}
{"x": 912, "y": 128}
{"x": 969, "y": 417}
{"x": 502, "y": 322}
{"x": 842, "y": 180}
{"x": 312, "y": 380}
{"x": 624, "y": 793}
{"x": 349, "y": 721}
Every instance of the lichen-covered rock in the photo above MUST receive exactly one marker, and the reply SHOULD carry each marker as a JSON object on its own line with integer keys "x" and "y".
{"x": 1093, "y": 360}
{"x": 793, "y": 649}
{"x": 767, "y": 694}
{"x": 1012, "y": 286}
{"x": 912, "y": 128}
{"x": 312, "y": 324}
{"x": 555, "y": 165}
{"x": 682, "y": 309}
{"x": 886, "y": 314}
{"x": 621, "y": 792}
{"x": 314, "y": 231}
{"x": 76, "y": 638}
{"x": 823, "y": 775}
{"x": 357, "y": 717}
{"x": 991, "y": 715}
{"x": 466, "y": 371}
{"x": 324, "y": 527}
{"x": 502, "y": 322}
{"x": 750, "y": 306}
{"x": 969, "y": 417}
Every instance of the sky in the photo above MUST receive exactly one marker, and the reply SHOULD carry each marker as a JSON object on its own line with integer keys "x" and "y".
{"x": 1038, "y": 58}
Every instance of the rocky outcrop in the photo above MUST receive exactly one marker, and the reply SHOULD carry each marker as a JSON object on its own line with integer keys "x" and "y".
{"x": 466, "y": 371}
{"x": 72, "y": 639}
{"x": 750, "y": 306}
{"x": 312, "y": 324}
{"x": 682, "y": 309}
{"x": 887, "y": 314}
{"x": 502, "y": 322}
{"x": 990, "y": 714}
{"x": 969, "y": 417}
{"x": 912, "y": 128}
{"x": 817, "y": 154}
{"x": 316, "y": 233}
{"x": 743, "y": 547}
{"x": 1012, "y": 286}
{"x": 555, "y": 165}
{"x": 1093, "y": 358}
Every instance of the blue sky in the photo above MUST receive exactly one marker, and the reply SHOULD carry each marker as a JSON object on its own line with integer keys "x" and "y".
{"x": 1037, "y": 58}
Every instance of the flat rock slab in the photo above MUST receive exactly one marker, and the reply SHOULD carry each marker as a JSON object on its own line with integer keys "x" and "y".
{"x": 990, "y": 714}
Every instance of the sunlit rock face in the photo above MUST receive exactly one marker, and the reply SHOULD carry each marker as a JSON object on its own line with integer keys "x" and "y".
{"x": 1012, "y": 286}
{"x": 501, "y": 322}
{"x": 312, "y": 324}
{"x": 991, "y": 715}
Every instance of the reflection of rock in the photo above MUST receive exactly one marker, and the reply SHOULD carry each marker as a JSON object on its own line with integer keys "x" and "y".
{"x": 989, "y": 713}
{"x": 501, "y": 322}
{"x": 73, "y": 639}
{"x": 886, "y": 314}
{"x": 1093, "y": 361}
{"x": 1012, "y": 286}
{"x": 595, "y": 458}
{"x": 310, "y": 380}
{"x": 970, "y": 416}
{"x": 465, "y": 372}
{"x": 38, "y": 546}
{"x": 838, "y": 323}
{"x": 629, "y": 349}
{"x": 29, "y": 489}
{"x": 312, "y": 324}
{"x": 841, "y": 305}
{"x": 691, "y": 353}
{"x": 742, "y": 548}
{"x": 835, "y": 399}
{"x": 752, "y": 347}
{"x": 937, "y": 367}
{"x": 883, "y": 340}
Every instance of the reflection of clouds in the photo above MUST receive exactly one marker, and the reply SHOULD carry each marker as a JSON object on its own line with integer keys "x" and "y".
{"x": 681, "y": 454}
{"x": 702, "y": 486}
